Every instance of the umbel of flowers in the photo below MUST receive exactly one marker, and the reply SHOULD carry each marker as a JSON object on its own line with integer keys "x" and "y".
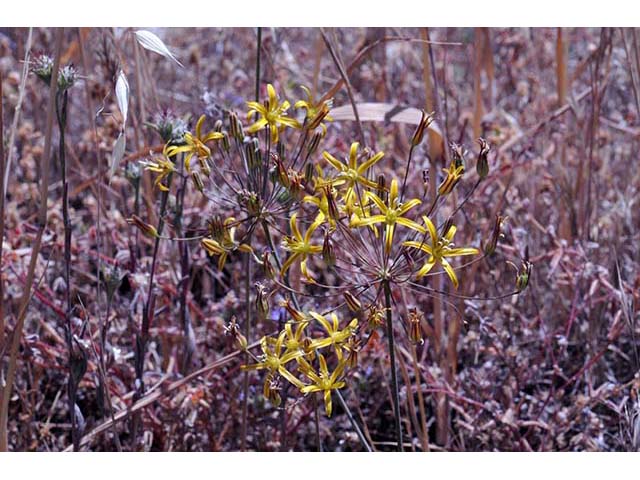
{"x": 350, "y": 217}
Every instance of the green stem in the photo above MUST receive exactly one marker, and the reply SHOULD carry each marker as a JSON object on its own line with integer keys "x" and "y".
{"x": 394, "y": 373}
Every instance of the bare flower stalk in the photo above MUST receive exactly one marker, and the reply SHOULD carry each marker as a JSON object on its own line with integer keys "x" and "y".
{"x": 394, "y": 372}
{"x": 35, "y": 251}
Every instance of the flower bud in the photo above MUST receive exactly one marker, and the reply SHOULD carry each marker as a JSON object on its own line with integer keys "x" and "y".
{"x": 267, "y": 266}
{"x": 490, "y": 247}
{"x": 235, "y": 127}
{"x": 232, "y": 330}
{"x": 352, "y": 302}
{"x": 353, "y": 346}
{"x": 523, "y": 275}
{"x": 281, "y": 170}
{"x": 423, "y": 125}
{"x": 323, "y": 111}
{"x": 262, "y": 302}
{"x": 415, "y": 326}
{"x": 296, "y": 315}
{"x": 332, "y": 207}
{"x": 204, "y": 165}
{"x": 197, "y": 181}
{"x": 226, "y": 145}
{"x": 328, "y": 252}
{"x": 482, "y": 166}
{"x": 308, "y": 173}
{"x": 312, "y": 146}
{"x": 381, "y": 189}
{"x": 145, "y": 228}
{"x": 271, "y": 390}
{"x": 457, "y": 154}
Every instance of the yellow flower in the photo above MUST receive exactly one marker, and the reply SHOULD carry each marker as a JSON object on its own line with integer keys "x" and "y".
{"x": 336, "y": 337}
{"x": 294, "y": 339}
{"x": 225, "y": 244}
{"x": 272, "y": 113}
{"x": 352, "y": 174}
{"x": 454, "y": 173}
{"x": 316, "y": 112}
{"x": 323, "y": 381}
{"x": 275, "y": 360}
{"x": 194, "y": 145}
{"x": 300, "y": 247}
{"x": 439, "y": 250}
{"x": 391, "y": 214}
{"x": 163, "y": 167}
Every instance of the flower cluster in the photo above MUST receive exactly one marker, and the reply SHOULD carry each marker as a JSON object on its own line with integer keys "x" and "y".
{"x": 346, "y": 225}
{"x": 300, "y": 358}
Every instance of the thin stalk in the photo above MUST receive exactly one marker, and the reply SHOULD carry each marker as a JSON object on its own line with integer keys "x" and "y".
{"x": 35, "y": 251}
{"x": 316, "y": 416}
{"x": 74, "y": 378}
{"x": 248, "y": 281}
{"x": 423, "y": 416}
{"x": 147, "y": 313}
{"x": 394, "y": 373}
{"x": 2, "y": 165}
{"x": 355, "y": 425}
{"x": 183, "y": 249}
{"x": 247, "y": 333}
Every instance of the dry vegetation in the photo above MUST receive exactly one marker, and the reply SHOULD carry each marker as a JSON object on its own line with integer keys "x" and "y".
{"x": 121, "y": 341}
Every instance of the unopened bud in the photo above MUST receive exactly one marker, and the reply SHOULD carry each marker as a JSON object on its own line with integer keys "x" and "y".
{"x": 320, "y": 116}
{"x": 296, "y": 315}
{"x": 523, "y": 275}
{"x": 232, "y": 330}
{"x": 235, "y": 127}
{"x": 332, "y": 207}
{"x": 271, "y": 390}
{"x": 204, "y": 166}
{"x": 262, "y": 302}
{"x": 482, "y": 166}
{"x": 308, "y": 173}
{"x": 328, "y": 252}
{"x": 457, "y": 153}
{"x": 312, "y": 146}
{"x": 267, "y": 266}
{"x": 226, "y": 145}
{"x": 352, "y": 302}
{"x": 490, "y": 247}
{"x": 281, "y": 170}
{"x": 144, "y": 227}
{"x": 197, "y": 181}
{"x": 353, "y": 346}
{"x": 415, "y": 327}
{"x": 381, "y": 188}
{"x": 423, "y": 125}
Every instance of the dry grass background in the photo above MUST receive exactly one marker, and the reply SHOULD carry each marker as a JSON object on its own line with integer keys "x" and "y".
{"x": 553, "y": 369}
